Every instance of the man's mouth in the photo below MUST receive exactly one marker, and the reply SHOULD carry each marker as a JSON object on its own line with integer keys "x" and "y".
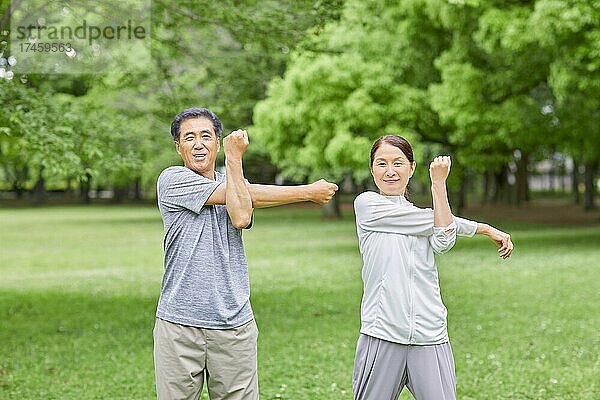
{"x": 199, "y": 157}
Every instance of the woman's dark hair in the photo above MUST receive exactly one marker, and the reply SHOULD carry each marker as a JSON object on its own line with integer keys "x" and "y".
{"x": 195, "y": 113}
{"x": 396, "y": 141}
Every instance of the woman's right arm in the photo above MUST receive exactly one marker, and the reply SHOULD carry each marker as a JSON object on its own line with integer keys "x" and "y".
{"x": 444, "y": 226}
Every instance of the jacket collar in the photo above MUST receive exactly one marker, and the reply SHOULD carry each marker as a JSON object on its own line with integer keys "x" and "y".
{"x": 399, "y": 199}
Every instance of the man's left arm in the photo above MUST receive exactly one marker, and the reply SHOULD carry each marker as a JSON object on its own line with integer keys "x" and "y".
{"x": 263, "y": 196}
{"x": 237, "y": 197}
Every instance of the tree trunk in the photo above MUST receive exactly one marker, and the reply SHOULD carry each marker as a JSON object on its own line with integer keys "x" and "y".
{"x": 137, "y": 189}
{"x": 498, "y": 188}
{"x": 119, "y": 193}
{"x": 21, "y": 175}
{"x": 85, "y": 186}
{"x": 39, "y": 194}
{"x": 69, "y": 192}
{"x": 487, "y": 187}
{"x": 18, "y": 189}
{"x": 331, "y": 210}
{"x": 575, "y": 183}
{"x": 458, "y": 197}
{"x": 522, "y": 179}
{"x": 590, "y": 185}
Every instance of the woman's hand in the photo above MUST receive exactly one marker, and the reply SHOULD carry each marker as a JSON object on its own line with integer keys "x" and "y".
{"x": 439, "y": 169}
{"x": 502, "y": 239}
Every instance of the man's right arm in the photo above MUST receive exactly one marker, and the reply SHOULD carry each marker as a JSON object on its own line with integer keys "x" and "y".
{"x": 264, "y": 196}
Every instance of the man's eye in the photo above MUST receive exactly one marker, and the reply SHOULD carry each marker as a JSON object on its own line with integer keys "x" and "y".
{"x": 206, "y": 137}
{"x": 188, "y": 138}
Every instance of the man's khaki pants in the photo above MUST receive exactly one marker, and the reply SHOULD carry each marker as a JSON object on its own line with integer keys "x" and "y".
{"x": 184, "y": 354}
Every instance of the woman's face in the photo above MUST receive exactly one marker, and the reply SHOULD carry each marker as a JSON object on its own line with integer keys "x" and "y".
{"x": 391, "y": 170}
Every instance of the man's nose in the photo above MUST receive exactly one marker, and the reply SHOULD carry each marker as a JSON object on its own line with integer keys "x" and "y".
{"x": 198, "y": 143}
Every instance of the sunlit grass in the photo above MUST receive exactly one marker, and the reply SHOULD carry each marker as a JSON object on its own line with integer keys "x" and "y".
{"x": 78, "y": 291}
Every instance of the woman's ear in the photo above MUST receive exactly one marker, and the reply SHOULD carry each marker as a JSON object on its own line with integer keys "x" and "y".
{"x": 412, "y": 168}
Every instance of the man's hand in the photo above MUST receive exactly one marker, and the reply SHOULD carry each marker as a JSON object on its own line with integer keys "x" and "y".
{"x": 235, "y": 144}
{"x": 502, "y": 239}
{"x": 439, "y": 169}
{"x": 321, "y": 191}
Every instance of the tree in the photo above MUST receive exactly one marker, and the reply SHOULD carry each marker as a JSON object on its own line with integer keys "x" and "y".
{"x": 34, "y": 138}
{"x": 569, "y": 32}
{"x": 219, "y": 55}
{"x": 572, "y": 30}
{"x": 348, "y": 86}
{"x": 428, "y": 70}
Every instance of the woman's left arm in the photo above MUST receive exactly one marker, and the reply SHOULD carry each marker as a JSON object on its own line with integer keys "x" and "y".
{"x": 465, "y": 227}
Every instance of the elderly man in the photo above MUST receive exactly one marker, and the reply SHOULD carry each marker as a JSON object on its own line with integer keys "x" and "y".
{"x": 205, "y": 327}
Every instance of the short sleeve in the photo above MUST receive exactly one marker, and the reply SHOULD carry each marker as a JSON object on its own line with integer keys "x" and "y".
{"x": 181, "y": 188}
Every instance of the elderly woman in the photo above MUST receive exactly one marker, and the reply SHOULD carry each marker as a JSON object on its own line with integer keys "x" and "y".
{"x": 403, "y": 336}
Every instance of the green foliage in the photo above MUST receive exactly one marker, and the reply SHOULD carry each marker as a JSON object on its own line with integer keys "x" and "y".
{"x": 477, "y": 80}
{"x": 567, "y": 34}
{"x": 115, "y": 127}
{"x": 438, "y": 72}
{"x": 63, "y": 136}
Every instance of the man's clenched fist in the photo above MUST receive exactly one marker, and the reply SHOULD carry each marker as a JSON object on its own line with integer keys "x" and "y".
{"x": 235, "y": 144}
{"x": 321, "y": 191}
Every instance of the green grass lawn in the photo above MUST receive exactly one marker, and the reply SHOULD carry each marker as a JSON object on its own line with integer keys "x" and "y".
{"x": 79, "y": 285}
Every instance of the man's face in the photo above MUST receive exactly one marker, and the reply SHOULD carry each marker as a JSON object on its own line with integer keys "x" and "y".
{"x": 198, "y": 146}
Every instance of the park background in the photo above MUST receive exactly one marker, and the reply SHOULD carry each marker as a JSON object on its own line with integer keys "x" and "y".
{"x": 510, "y": 89}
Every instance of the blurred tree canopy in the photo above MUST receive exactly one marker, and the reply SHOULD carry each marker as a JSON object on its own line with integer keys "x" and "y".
{"x": 492, "y": 83}
{"x": 497, "y": 84}
{"x": 113, "y": 128}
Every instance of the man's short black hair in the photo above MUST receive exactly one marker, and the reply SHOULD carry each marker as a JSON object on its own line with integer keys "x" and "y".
{"x": 195, "y": 113}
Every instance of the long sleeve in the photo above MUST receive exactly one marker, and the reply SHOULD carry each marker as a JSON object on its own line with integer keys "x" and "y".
{"x": 465, "y": 227}
{"x": 443, "y": 238}
{"x": 379, "y": 214}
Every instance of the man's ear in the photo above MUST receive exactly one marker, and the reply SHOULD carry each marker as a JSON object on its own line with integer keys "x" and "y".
{"x": 177, "y": 147}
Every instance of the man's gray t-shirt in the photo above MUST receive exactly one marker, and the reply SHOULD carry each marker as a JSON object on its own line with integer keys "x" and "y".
{"x": 205, "y": 282}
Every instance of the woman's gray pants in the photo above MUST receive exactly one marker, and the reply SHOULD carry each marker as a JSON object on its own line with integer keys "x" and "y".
{"x": 382, "y": 369}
